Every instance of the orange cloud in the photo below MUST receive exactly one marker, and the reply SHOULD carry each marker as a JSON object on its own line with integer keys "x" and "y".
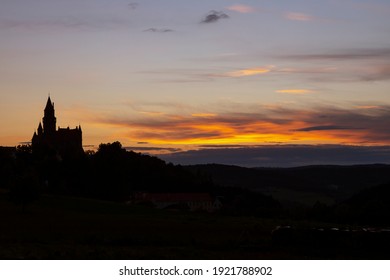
{"x": 248, "y": 72}
{"x": 216, "y": 133}
{"x": 295, "y": 91}
{"x": 244, "y": 9}
{"x": 255, "y": 133}
{"x": 203, "y": 115}
{"x": 298, "y": 16}
{"x": 264, "y": 124}
{"x": 367, "y": 107}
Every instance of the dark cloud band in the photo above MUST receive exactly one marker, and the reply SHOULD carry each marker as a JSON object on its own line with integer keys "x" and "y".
{"x": 284, "y": 155}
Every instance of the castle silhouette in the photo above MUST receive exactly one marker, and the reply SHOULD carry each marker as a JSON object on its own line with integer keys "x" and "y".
{"x": 63, "y": 143}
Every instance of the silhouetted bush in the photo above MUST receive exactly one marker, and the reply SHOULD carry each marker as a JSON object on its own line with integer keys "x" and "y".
{"x": 24, "y": 188}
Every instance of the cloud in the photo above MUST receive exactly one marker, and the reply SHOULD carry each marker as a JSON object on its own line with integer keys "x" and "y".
{"x": 306, "y": 70}
{"x": 149, "y": 149}
{"x": 65, "y": 23}
{"x": 376, "y": 73}
{"x": 238, "y": 124}
{"x": 158, "y": 30}
{"x": 214, "y": 16}
{"x": 367, "y": 107}
{"x": 196, "y": 75}
{"x": 222, "y": 146}
{"x": 324, "y": 127}
{"x": 360, "y": 126}
{"x": 353, "y": 65}
{"x": 244, "y": 9}
{"x": 204, "y": 115}
{"x": 176, "y": 128}
{"x": 352, "y": 54}
{"x": 295, "y": 91}
{"x": 298, "y": 16}
{"x": 133, "y": 5}
{"x": 245, "y": 72}
{"x": 338, "y": 72}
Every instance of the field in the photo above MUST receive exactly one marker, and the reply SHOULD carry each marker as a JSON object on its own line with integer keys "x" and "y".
{"x": 56, "y": 227}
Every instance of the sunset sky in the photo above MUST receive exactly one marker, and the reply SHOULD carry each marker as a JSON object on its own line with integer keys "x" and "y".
{"x": 178, "y": 75}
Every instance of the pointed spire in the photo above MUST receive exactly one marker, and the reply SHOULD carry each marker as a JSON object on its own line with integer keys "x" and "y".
{"x": 49, "y": 119}
{"x": 40, "y": 129}
{"x": 49, "y": 104}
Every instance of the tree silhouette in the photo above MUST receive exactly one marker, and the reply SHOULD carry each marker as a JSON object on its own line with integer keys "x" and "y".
{"x": 24, "y": 188}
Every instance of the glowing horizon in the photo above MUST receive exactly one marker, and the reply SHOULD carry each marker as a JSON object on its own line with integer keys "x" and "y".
{"x": 186, "y": 74}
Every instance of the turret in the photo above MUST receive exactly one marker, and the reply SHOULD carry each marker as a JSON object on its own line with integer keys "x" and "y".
{"x": 49, "y": 119}
{"x": 40, "y": 129}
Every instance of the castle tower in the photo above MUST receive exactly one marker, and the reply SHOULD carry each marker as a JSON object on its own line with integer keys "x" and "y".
{"x": 62, "y": 142}
{"x": 49, "y": 119}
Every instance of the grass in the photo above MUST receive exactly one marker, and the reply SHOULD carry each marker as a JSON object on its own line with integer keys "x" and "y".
{"x": 73, "y": 228}
{"x": 56, "y": 227}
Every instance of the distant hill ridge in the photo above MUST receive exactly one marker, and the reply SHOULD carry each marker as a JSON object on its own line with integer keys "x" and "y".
{"x": 346, "y": 180}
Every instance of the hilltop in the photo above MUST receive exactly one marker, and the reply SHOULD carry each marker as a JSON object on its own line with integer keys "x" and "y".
{"x": 307, "y": 184}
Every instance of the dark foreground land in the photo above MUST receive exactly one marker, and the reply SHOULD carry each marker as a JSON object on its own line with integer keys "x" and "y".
{"x": 57, "y": 227}
{"x": 77, "y": 208}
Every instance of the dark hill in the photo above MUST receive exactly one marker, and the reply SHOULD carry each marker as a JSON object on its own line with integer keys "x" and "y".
{"x": 336, "y": 182}
{"x": 370, "y": 206}
{"x": 115, "y": 174}
{"x": 377, "y": 194}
